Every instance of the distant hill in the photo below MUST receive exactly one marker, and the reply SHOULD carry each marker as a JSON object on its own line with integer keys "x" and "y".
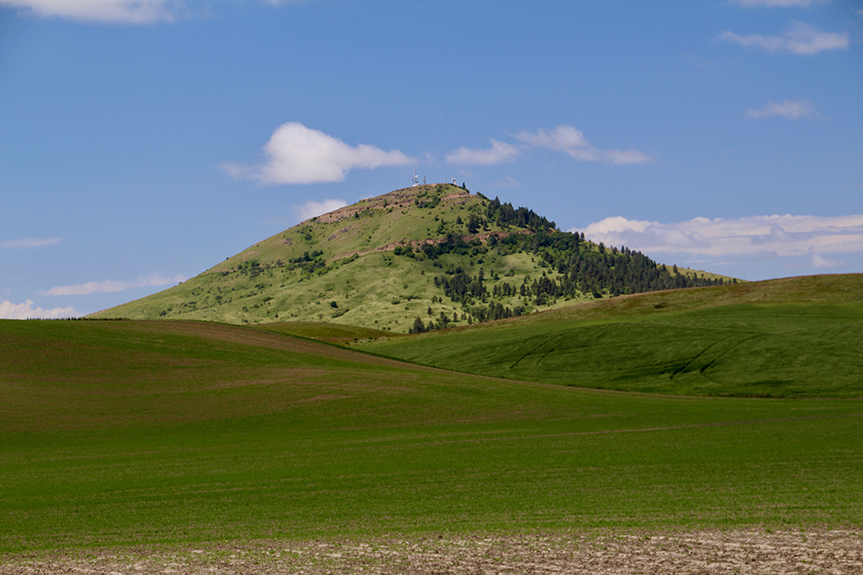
{"x": 415, "y": 259}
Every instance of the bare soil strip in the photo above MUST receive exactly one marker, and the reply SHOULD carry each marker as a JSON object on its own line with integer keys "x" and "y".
{"x": 694, "y": 552}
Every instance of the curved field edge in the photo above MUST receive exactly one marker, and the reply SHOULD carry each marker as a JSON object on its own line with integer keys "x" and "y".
{"x": 143, "y": 433}
{"x": 594, "y": 552}
{"x": 796, "y": 337}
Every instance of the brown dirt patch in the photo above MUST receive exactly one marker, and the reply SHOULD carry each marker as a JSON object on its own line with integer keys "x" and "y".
{"x": 694, "y": 552}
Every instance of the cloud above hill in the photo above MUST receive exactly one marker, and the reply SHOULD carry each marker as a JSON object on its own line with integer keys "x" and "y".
{"x": 801, "y": 39}
{"x": 26, "y": 243}
{"x": 9, "y": 310}
{"x": 791, "y": 109}
{"x": 563, "y": 138}
{"x": 499, "y": 153}
{"x": 779, "y": 236}
{"x": 300, "y": 155}
{"x": 154, "y": 280}
{"x": 572, "y": 142}
{"x": 121, "y": 11}
{"x": 134, "y": 12}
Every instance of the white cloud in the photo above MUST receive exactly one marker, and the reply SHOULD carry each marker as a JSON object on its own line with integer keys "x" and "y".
{"x": 572, "y": 142}
{"x": 798, "y": 39}
{"x": 786, "y": 109}
{"x": 499, "y": 153}
{"x": 154, "y": 280}
{"x": 821, "y": 262}
{"x": 777, "y": 3}
{"x": 312, "y": 208}
{"x": 781, "y": 236}
{"x": 25, "y": 243}
{"x": 561, "y": 138}
{"x": 300, "y": 155}
{"x": 9, "y": 310}
{"x": 123, "y": 11}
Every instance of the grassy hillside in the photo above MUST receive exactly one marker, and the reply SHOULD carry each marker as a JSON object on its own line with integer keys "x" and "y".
{"x": 329, "y": 332}
{"x": 137, "y": 433}
{"x": 795, "y": 337}
{"x": 379, "y": 263}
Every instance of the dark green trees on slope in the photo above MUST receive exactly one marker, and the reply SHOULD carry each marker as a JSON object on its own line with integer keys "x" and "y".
{"x": 571, "y": 266}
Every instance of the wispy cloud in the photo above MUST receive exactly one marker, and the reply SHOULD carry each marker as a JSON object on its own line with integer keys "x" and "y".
{"x": 800, "y": 39}
{"x": 120, "y": 11}
{"x": 563, "y": 138}
{"x": 777, "y": 3}
{"x": 25, "y": 243}
{"x": 134, "y": 12}
{"x": 154, "y": 280}
{"x": 780, "y": 236}
{"x": 9, "y": 310}
{"x": 312, "y": 208}
{"x": 567, "y": 139}
{"x": 300, "y": 155}
{"x": 817, "y": 261}
{"x": 791, "y": 109}
{"x": 499, "y": 153}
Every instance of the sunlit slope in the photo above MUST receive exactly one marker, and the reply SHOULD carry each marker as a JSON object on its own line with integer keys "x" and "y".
{"x": 140, "y": 433}
{"x": 387, "y": 262}
{"x": 339, "y": 268}
{"x": 795, "y": 337}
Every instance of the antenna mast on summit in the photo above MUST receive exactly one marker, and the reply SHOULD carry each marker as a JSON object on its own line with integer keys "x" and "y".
{"x": 416, "y": 179}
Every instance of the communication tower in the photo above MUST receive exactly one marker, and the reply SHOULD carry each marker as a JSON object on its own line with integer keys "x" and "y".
{"x": 415, "y": 179}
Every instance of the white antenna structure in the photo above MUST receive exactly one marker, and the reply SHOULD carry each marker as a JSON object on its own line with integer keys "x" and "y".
{"x": 415, "y": 179}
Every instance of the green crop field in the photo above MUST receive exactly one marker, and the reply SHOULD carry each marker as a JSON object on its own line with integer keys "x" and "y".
{"x": 800, "y": 337}
{"x": 128, "y": 433}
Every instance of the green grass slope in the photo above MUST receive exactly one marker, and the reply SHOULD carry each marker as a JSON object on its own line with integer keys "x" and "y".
{"x": 351, "y": 276}
{"x": 795, "y": 337}
{"x": 136, "y": 433}
{"x": 329, "y": 332}
{"x": 363, "y": 265}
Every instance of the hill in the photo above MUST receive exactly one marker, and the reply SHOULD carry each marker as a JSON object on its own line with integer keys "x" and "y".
{"x": 158, "y": 433}
{"x": 419, "y": 258}
{"x": 793, "y": 337}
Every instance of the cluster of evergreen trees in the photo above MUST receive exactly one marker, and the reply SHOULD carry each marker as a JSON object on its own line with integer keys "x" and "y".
{"x": 505, "y": 215}
{"x": 453, "y": 245}
{"x": 582, "y": 267}
{"x": 574, "y": 267}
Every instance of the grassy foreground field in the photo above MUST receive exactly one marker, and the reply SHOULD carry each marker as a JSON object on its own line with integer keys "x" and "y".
{"x": 795, "y": 337}
{"x": 138, "y": 433}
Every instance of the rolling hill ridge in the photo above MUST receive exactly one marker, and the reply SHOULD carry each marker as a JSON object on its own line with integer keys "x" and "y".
{"x": 790, "y": 337}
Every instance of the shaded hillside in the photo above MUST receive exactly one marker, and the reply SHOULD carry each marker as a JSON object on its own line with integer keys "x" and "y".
{"x": 794, "y": 337}
{"x": 420, "y": 258}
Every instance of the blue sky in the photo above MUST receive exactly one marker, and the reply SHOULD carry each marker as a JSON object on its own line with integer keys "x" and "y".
{"x": 144, "y": 141}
